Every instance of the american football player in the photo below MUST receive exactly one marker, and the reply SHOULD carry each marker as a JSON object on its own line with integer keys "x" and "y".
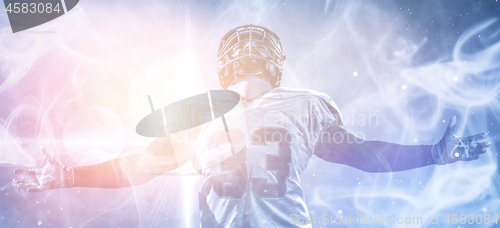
{"x": 251, "y": 178}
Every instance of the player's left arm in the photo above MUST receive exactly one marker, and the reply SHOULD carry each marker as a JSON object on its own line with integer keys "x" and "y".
{"x": 339, "y": 146}
{"x": 125, "y": 171}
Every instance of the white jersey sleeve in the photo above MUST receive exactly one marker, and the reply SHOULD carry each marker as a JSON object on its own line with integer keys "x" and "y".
{"x": 324, "y": 113}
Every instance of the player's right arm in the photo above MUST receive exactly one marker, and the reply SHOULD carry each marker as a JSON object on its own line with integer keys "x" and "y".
{"x": 125, "y": 171}
{"x": 339, "y": 146}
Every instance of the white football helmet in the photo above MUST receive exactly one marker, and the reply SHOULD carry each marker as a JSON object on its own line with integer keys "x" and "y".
{"x": 250, "y": 50}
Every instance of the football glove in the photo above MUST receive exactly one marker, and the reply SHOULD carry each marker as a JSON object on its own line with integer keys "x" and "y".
{"x": 452, "y": 148}
{"x": 52, "y": 175}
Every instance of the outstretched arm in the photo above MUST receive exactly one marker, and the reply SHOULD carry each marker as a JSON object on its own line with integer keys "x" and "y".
{"x": 131, "y": 170}
{"x": 125, "y": 171}
{"x": 339, "y": 146}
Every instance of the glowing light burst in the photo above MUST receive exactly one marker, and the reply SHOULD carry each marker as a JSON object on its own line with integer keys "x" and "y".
{"x": 78, "y": 86}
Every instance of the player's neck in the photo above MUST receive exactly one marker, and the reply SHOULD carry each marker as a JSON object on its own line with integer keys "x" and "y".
{"x": 251, "y": 87}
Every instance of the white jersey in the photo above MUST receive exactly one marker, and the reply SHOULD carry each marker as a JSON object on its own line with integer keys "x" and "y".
{"x": 251, "y": 179}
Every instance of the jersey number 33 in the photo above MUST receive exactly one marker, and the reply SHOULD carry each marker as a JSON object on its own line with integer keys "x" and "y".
{"x": 235, "y": 181}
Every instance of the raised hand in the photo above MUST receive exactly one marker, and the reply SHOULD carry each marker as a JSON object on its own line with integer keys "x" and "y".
{"x": 52, "y": 175}
{"x": 452, "y": 148}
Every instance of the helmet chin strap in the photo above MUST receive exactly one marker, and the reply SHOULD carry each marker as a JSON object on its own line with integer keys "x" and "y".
{"x": 251, "y": 87}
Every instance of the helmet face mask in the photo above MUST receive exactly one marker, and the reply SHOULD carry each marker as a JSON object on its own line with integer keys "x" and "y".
{"x": 250, "y": 50}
